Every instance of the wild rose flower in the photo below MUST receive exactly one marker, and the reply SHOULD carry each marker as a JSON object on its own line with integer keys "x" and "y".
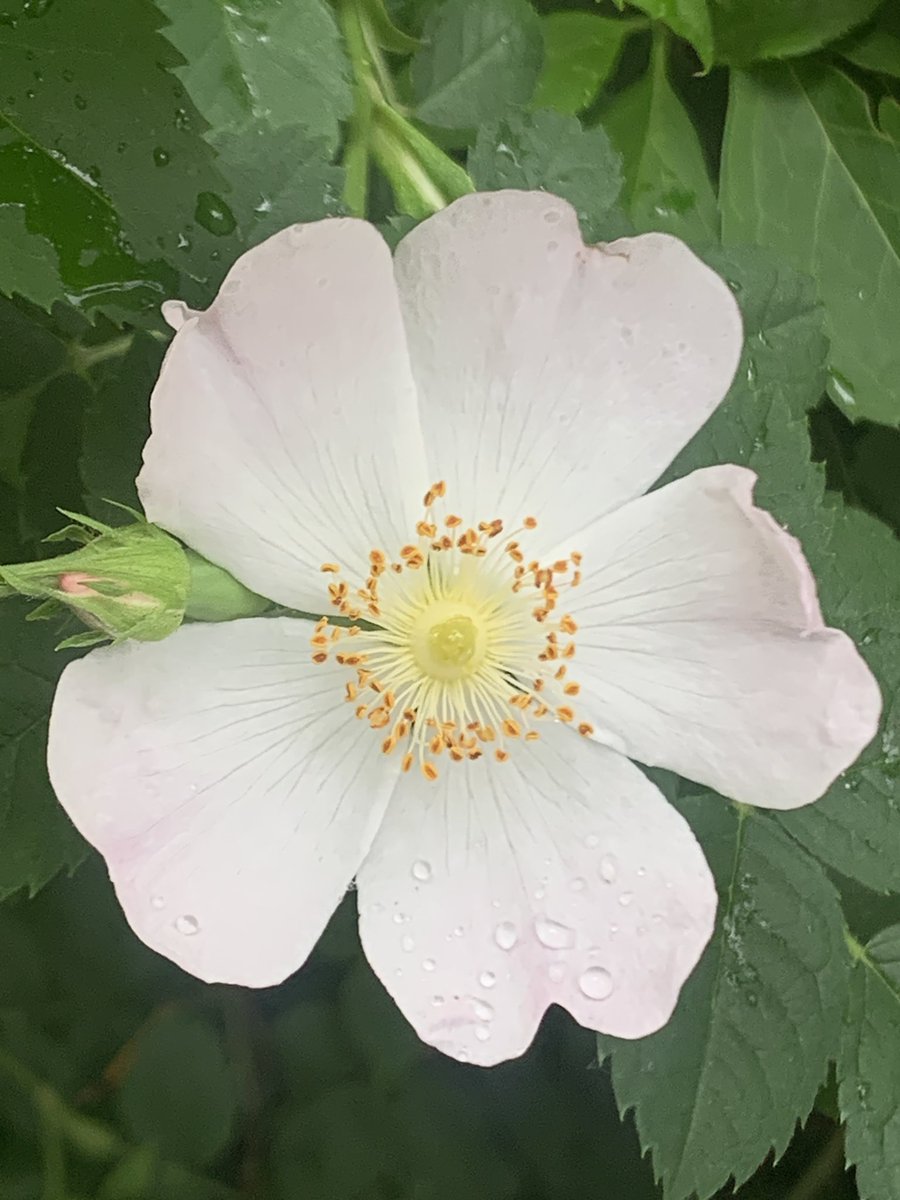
{"x": 449, "y": 452}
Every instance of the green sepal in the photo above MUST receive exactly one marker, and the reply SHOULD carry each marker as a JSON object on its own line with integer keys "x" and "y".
{"x": 423, "y": 177}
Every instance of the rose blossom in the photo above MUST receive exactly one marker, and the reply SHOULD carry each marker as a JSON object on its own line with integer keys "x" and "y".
{"x": 446, "y": 455}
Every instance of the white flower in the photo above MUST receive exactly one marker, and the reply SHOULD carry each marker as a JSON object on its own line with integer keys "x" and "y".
{"x": 236, "y": 785}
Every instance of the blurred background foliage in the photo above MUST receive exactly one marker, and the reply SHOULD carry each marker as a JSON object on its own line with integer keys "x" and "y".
{"x": 142, "y": 147}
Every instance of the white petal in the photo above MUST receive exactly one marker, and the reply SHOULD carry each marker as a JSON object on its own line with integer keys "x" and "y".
{"x": 557, "y": 380}
{"x": 228, "y": 787}
{"x": 561, "y": 876}
{"x": 701, "y": 646}
{"x": 285, "y": 431}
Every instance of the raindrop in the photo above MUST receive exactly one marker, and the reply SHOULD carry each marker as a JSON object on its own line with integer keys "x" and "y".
{"x": 214, "y": 214}
{"x": 182, "y": 119}
{"x": 487, "y": 979}
{"x": 80, "y": 102}
{"x": 553, "y": 935}
{"x": 421, "y": 870}
{"x": 626, "y": 898}
{"x": 187, "y": 925}
{"x": 642, "y": 871}
{"x": 482, "y": 1033}
{"x": 428, "y": 964}
{"x": 608, "y": 869}
{"x": 841, "y": 388}
{"x": 459, "y": 931}
{"x": 161, "y": 156}
{"x": 596, "y": 983}
{"x": 437, "y": 1001}
{"x": 408, "y": 944}
{"x": 399, "y": 918}
{"x": 482, "y": 1010}
{"x": 157, "y": 902}
{"x": 505, "y": 935}
{"x": 36, "y": 8}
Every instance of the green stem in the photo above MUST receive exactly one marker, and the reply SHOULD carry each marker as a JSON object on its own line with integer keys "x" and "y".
{"x": 365, "y": 94}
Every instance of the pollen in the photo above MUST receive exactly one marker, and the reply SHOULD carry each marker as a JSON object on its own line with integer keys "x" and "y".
{"x": 461, "y": 641}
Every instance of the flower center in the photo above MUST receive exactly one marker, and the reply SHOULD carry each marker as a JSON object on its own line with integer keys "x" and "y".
{"x": 448, "y": 643}
{"x": 465, "y": 647}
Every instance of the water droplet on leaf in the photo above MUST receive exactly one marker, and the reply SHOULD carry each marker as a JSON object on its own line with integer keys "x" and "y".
{"x": 214, "y": 214}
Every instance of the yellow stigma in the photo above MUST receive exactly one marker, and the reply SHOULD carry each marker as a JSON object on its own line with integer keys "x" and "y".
{"x": 448, "y": 642}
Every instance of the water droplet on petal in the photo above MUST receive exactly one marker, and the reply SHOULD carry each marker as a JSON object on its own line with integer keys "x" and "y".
{"x": 408, "y": 944}
{"x": 483, "y": 1011}
{"x": 626, "y": 898}
{"x": 487, "y": 979}
{"x": 398, "y": 918}
{"x": 459, "y": 931}
{"x": 596, "y": 983}
{"x": 187, "y": 925}
{"x": 578, "y": 885}
{"x": 462, "y": 1056}
{"x": 157, "y": 902}
{"x": 428, "y": 964}
{"x": 608, "y": 869}
{"x": 437, "y": 1001}
{"x": 482, "y": 1033}
{"x": 592, "y": 841}
{"x": 505, "y": 935}
{"x": 553, "y": 935}
{"x": 421, "y": 870}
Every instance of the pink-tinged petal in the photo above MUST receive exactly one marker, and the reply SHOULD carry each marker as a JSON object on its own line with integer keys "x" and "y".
{"x": 701, "y": 646}
{"x": 285, "y": 429}
{"x": 559, "y": 877}
{"x": 228, "y": 787}
{"x": 557, "y": 380}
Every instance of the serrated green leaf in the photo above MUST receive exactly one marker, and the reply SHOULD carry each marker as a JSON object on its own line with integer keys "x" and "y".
{"x": 478, "y": 60}
{"x": 806, "y": 173}
{"x": 749, "y": 1044}
{"x": 277, "y": 177}
{"x": 869, "y": 1090}
{"x": 581, "y": 50}
{"x": 724, "y": 32}
{"x": 262, "y": 60}
{"x": 28, "y": 263}
{"x": 91, "y": 99}
{"x": 548, "y": 151}
{"x": 181, "y": 1093}
{"x": 36, "y": 839}
{"x": 667, "y": 183}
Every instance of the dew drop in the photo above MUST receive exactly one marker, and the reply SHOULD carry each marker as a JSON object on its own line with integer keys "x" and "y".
{"x": 187, "y": 925}
{"x": 421, "y": 870}
{"x": 462, "y": 1056}
{"x": 553, "y": 935}
{"x": 487, "y": 979}
{"x": 408, "y": 944}
{"x": 459, "y": 931}
{"x": 626, "y": 898}
{"x": 214, "y": 214}
{"x": 437, "y": 1001}
{"x": 608, "y": 869}
{"x": 399, "y": 918}
{"x": 482, "y": 1010}
{"x": 596, "y": 983}
{"x": 161, "y": 156}
{"x": 482, "y": 1033}
{"x": 428, "y": 964}
{"x": 157, "y": 902}
{"x": 505, "y": 935}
